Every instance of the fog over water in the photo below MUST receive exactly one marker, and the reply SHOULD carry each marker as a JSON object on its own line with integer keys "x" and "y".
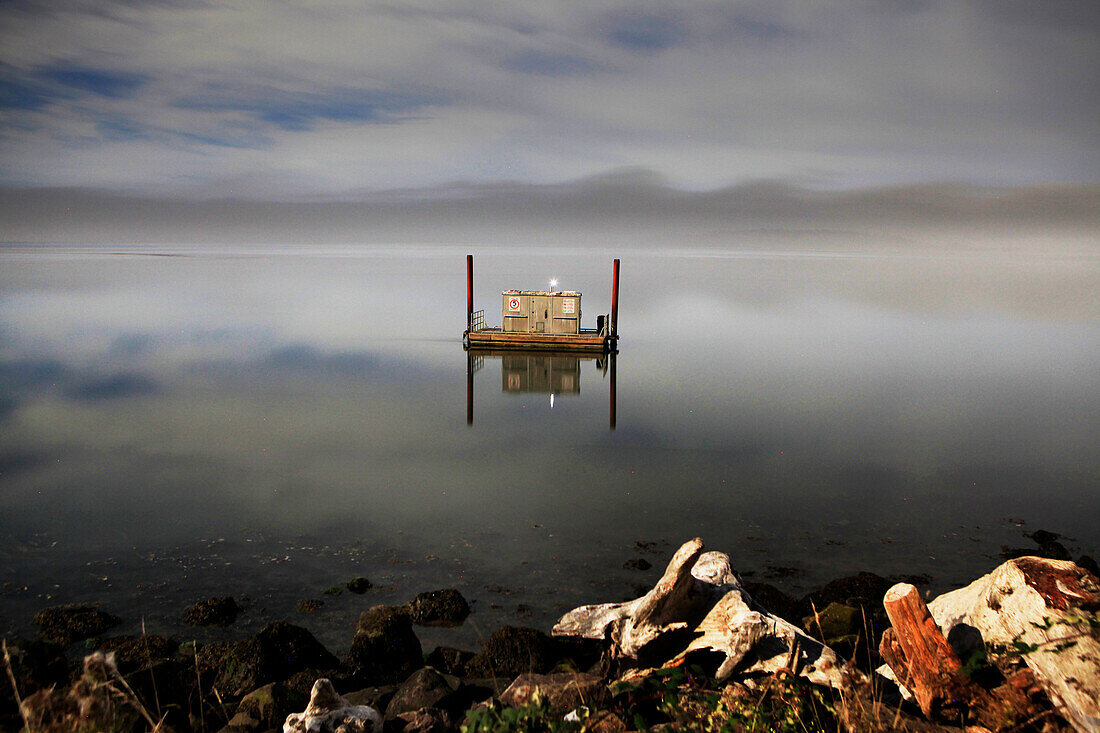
{"x": 270, "y": 420}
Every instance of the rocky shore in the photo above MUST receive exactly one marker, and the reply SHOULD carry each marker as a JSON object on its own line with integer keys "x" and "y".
{"x": 701, "y": 650}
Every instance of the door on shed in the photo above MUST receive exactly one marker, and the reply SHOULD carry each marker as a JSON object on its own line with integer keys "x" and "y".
{"x": 540, "y": 314}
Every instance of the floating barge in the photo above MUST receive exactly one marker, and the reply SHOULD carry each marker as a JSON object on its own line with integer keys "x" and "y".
{"x": 541, "y": 319}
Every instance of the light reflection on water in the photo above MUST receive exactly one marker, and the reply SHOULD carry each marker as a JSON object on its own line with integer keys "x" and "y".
{"x": 274, "y": 421}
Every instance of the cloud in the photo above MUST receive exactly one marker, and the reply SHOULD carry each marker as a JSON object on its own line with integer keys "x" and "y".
{"x": 330, "y": 96}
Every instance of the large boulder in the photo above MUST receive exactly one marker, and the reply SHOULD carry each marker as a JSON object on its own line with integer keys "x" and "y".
{"x": 67, "y": 624}
{"x": 139, "y": 652}
{"x": 266, "y": 707}
{"x": 385, "y": 649}
{"x": 444, "y": 607}
{"x": 425, "y": 688}
{"x": 275, "y": 653}
{"x": 218, "y": 611}
{"x": 513, "y": 650}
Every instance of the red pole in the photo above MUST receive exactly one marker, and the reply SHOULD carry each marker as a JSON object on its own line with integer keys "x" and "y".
{"x": 469, "y": 291}
{"x": 615, "y": 300}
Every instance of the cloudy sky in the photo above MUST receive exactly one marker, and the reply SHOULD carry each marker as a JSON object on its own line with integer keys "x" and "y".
{"x": 325, "y": 98}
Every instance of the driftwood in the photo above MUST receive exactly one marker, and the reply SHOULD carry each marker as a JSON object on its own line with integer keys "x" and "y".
{"x": 328, "y": 712}
{"x": 1043, "y": 610}
{"x": 700, "y": 596}
{"x": 916, "y": 650}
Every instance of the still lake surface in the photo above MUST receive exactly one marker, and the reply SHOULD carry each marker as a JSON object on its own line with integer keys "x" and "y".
{"x": 184, "y": 421}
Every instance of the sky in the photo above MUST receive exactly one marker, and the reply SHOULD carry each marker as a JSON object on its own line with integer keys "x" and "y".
{"x": 341, "y": 99}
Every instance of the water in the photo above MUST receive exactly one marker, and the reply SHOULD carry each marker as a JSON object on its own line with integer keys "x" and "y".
{"x": 268, "y": 422}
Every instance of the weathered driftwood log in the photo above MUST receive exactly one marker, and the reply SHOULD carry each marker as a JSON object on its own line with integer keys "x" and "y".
{"x": 1046, "y": 610}
{"x": 700, "y": 593}
{"x": 328, "y": 712}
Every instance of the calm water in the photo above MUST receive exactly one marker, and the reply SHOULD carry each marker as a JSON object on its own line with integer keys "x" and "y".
{"x": 178, "y": 422}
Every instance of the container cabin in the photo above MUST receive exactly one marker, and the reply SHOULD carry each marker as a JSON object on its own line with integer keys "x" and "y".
{"x": 540, "y": 319}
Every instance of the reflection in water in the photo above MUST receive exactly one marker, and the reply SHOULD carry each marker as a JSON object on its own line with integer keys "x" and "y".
{"x": 279, "y": 422}
{"x": 542, "y": 372}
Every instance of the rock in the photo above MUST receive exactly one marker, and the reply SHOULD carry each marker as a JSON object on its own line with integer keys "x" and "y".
{"x": 218, "y": 611}
{"x": 444, "y": 607}
{"x": 36, "y": 665}
{"x": 327, "y": 712}
{"x": 1043, "y": 604}
{"x": 301, "y": 682}
{"x": 638, "y": 564}
{"x": 448, "y": 660}
{"x": 865, "y": 589}
{"x": 266, "y": 707}
{"x": 275, "y": 653}
{"x": 1041, "y": 536}
{"x": 426, "y": 720}
{"x": 1051, "y": 550}
{"x": 512, "y": 650}
{"x": 376, "y": 697}
{"x": 564, "y": 691}
{"x": 310, "y": 605}
{"x": 381, "y": 619}
{"x": 66, "y": 624}
{"x": 359, "y": 585}
{"x": 837, "y": 622}
{"x": 138, "y": 652}
{"x": 777, "y": 602}
{"x": 1086, "y": 562}
{"x": 700, "y": 605}
{"x": 1054, "y": 551}
{"x": 385, "y": 649}
{"x": 425, "y": 688}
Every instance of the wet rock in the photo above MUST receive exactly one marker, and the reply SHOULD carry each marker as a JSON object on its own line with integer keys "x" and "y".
{"x": 66, "y": 624}
{"x": 444, "y": 607}
{"x": 36, "y": 665}
{"x": 775, "y": 601}
{"x": 1012, "y": 553}
{"x": 563, "y": 691}
{"x": 327, "y": 712}
{"x": 448, "y": 660}
{"x": 266, "y": 707}
{"x": 836, "y": 623}
{"x": 637, "y": 564}
{"x": 310, "y": 605}
{"x": 301, "y": 682}
{"x": 359, "y": 585}
{"x": 1050, "y": 550}
{"x": 1041, "y": 536}
{"x": 865, "y": 589}
{"x": 376, "y": 697}
{"x": 164, "y": 687}
{"x": 512, "y": 650}
{"x": 138, "y": 652}
{"x": 427, "y": 720}
{"x": 217, "y": 611}
{"x": 385, "y": 649}
{"x": 1053, "y": 551}
{"x": 425, "y": 688}
{"x": 275, "y": 653}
